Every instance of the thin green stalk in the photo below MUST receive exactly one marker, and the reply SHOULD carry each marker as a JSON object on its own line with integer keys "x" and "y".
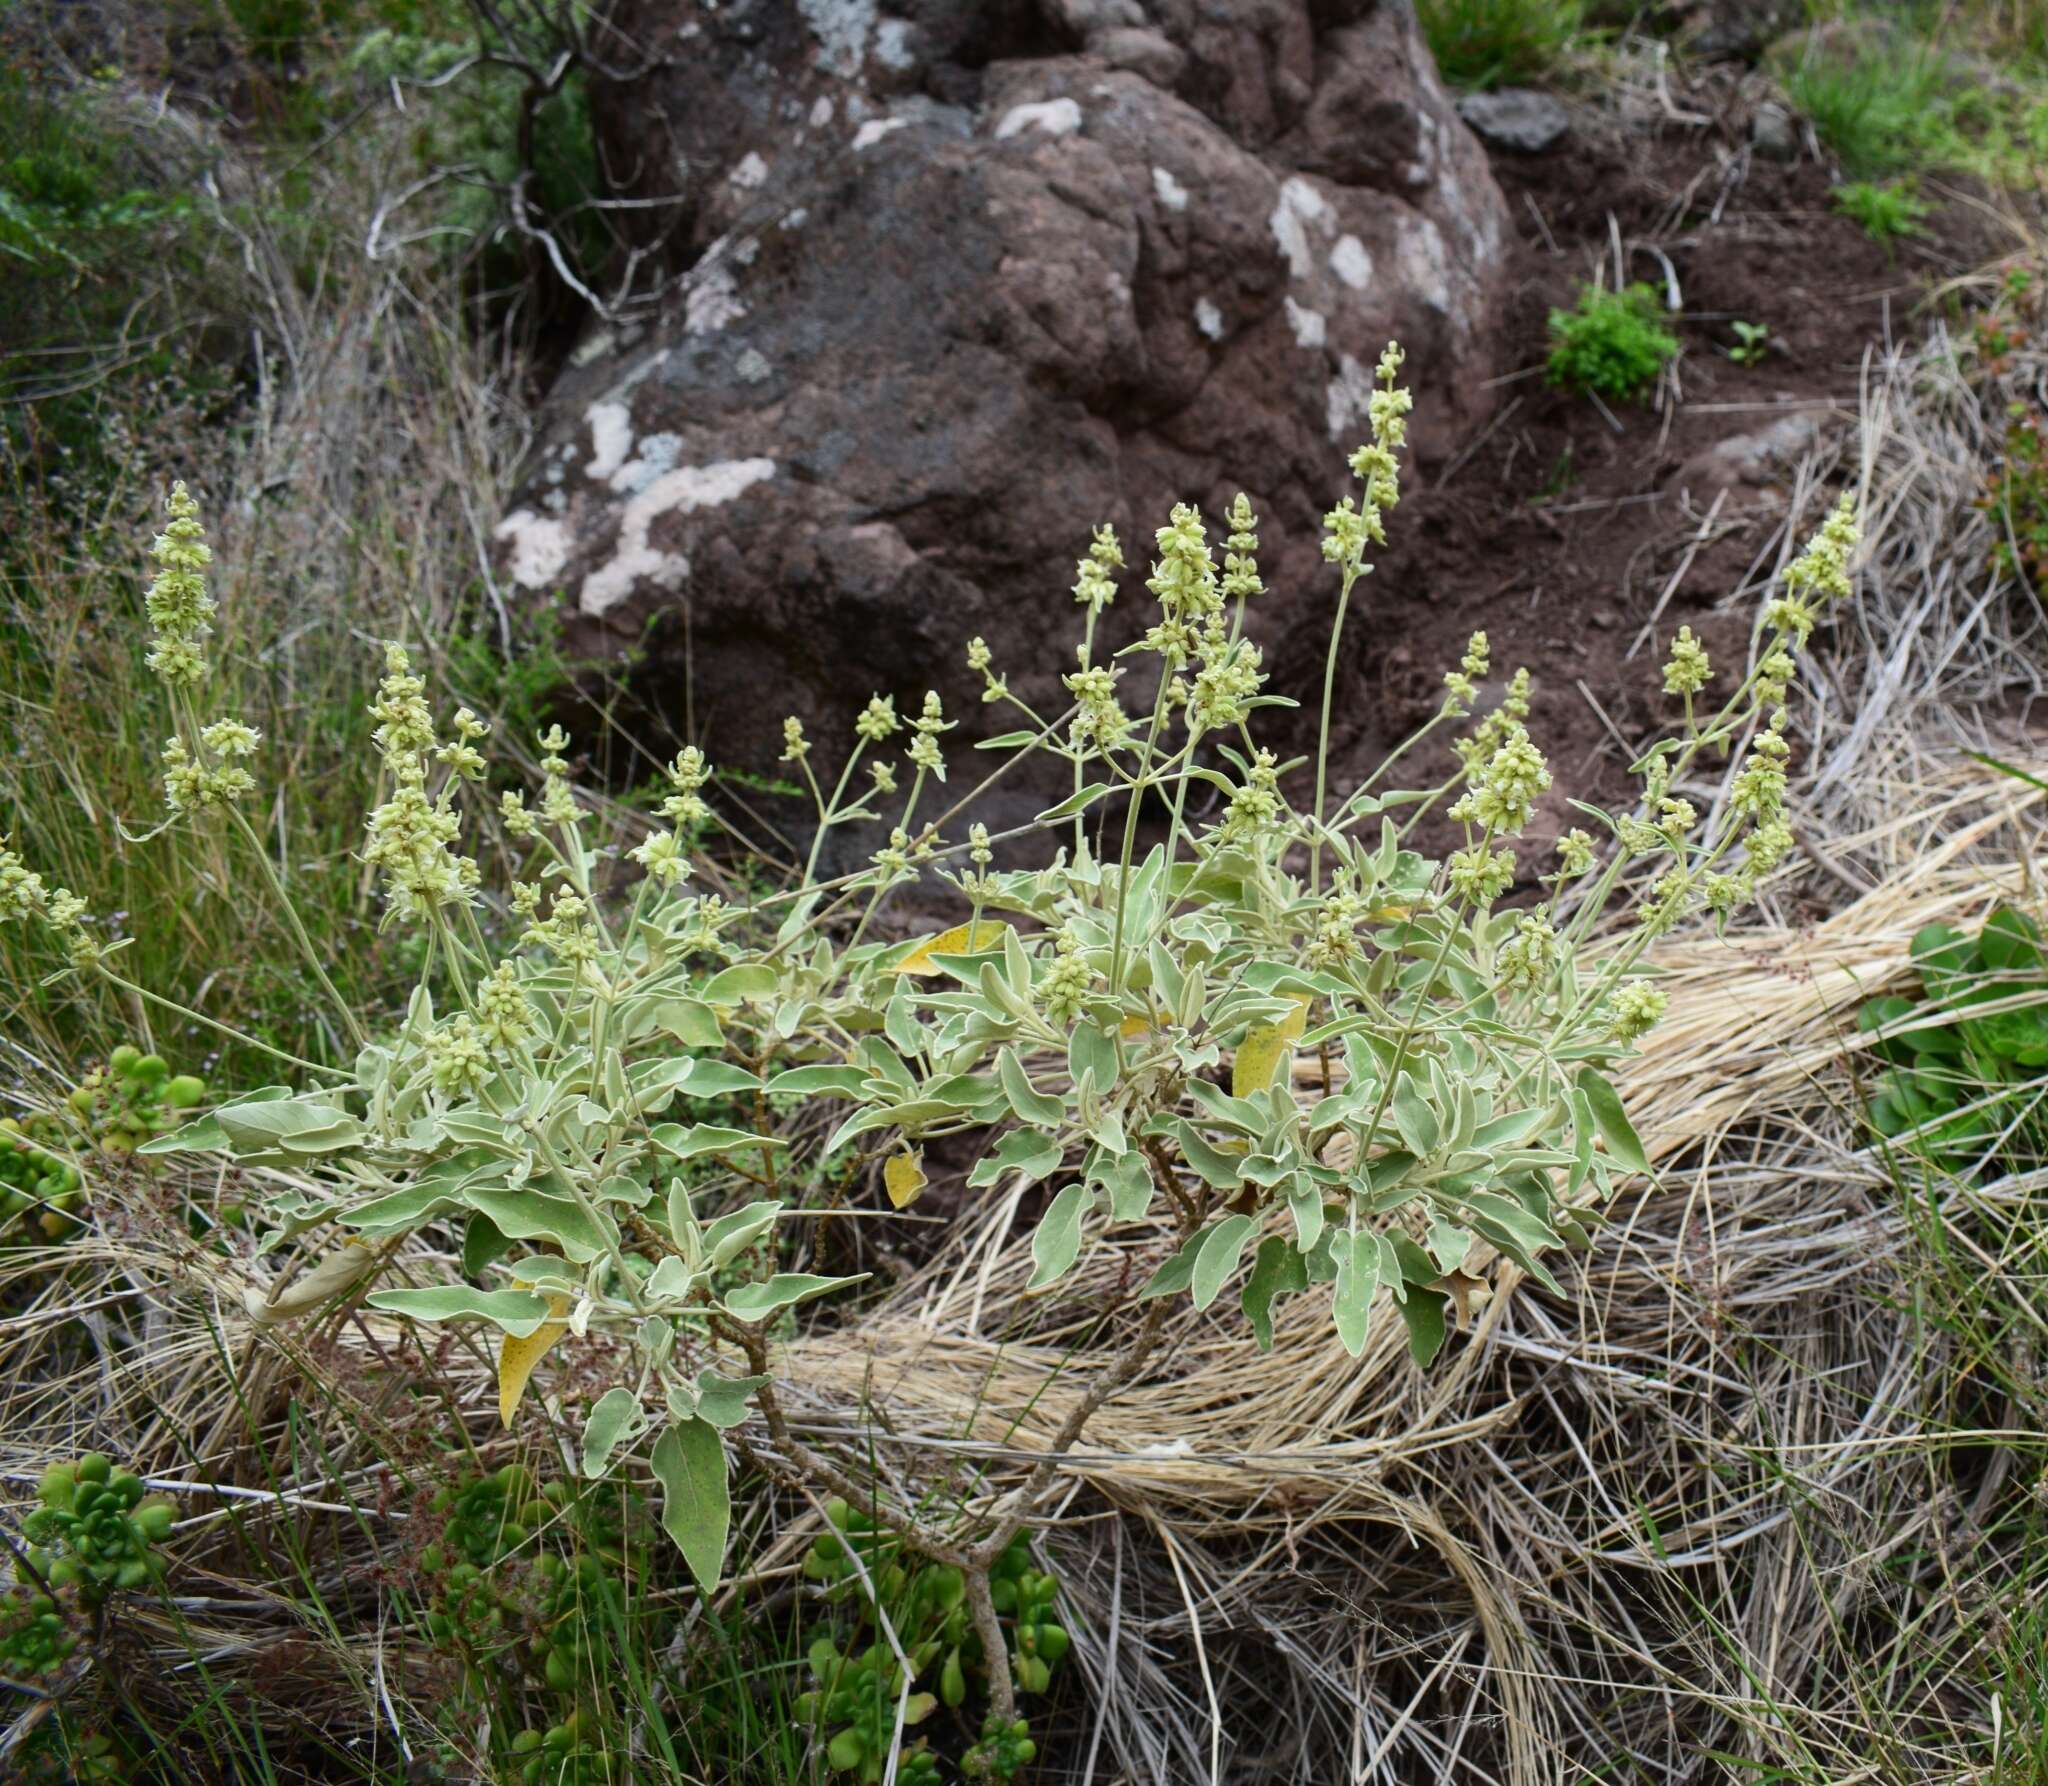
{"x": 298, "y": 930}
{"x": 1139, "y": 782}
{"x": 1352, "y": 573}
{"x": 214, "y": 1023}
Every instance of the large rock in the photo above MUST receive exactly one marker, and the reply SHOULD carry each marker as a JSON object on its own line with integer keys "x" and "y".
{"x": 967, "y": 279}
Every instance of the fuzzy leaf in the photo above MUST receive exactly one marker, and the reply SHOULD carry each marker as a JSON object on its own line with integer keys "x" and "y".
{"x": 518, "y": 1354}
{"x": 696, "y": 1503}
{"x": 903, "y": 1178}
{"x": 1036, "y": 1156}
{"x": 1276, "y": 1269}
{"x": 692, "y": 1022}
{"x": 963, "y": 939}
{"x": 731, "y": 1235}
{"x": 751, "y": 982}
{"x": 723, "y": 1400}
{"x": 518, "y": 1312}
{"x": 1217, "y": 1260}
{"x": 1178, "y": 1272}
{"x": 1424, "y": 1313}
{"x": 702, "y": 1138}
{"x": 1358, "y": 1276}
{"x": 1031, "y": 1105}
{"x": 1615, "y": 1129}
{"x": 615, "y": 1419}
{"x": 838, "y": 1082}
{"x": 1266, "y": 1048}
{"x": 1056, "y": 1242}
{"x": 751, "y": 1302}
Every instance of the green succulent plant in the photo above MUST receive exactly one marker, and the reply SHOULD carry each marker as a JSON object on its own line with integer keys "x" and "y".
{"x": 1961, "y": 1053}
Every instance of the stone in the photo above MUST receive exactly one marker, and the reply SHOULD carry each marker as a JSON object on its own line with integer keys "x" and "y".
{"x": 1519, "y": 119}
{"x": 1774, "y": 132}
{"x": 1755, "y": 461}
{"x": 960, "y": 282}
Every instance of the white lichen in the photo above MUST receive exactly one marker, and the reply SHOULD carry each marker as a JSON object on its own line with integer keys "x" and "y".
{"x": 611, "y": 438}
{"x": 1351, "y": 263}
{"x": 1309, "y": 328}
{"x": 872, "y": 132}
{"x": 681, "y": 491}
{"x": 1172, "y": 194}
{"x": 1299, "y": 206}
{"x": 1056, "y": 117}
{"x": 540, "y": 547}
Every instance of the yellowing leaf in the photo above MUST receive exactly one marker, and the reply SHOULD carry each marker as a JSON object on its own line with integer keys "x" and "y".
{"x": 1135, "y": 1026}
{"x": 903, "y": 1177}
{"x": 1264, "y": 1047}
{"x": 517, "y": 1357}
{"x": 962, "y": 939}
{"x": 1381, "y": 913}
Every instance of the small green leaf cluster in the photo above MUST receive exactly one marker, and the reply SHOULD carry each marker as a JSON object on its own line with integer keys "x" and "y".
{"x": 114, "y": 1108}
{"x": 134, "y": 1098}
{"x": 859, "y": 1688}
{"x": 2015, "y": 495}
{"x": 94, "y": 1528}
{"x": 1752, "y": 342}
{"x": 1962, "y": 1054}
{"x": 1004, "y": 1751}
{"x": 524, "y": 1583}
{"x": 1885, "y": 212}
{"x": 1611, "y": 343}
{"x": 564, "y": 1754}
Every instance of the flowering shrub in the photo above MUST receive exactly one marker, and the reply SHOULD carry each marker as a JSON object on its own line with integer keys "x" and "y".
{"x": 1118, "y": 1023}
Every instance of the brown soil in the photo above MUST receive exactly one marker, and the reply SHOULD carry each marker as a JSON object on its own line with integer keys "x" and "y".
{"x": 1562, "y": 526}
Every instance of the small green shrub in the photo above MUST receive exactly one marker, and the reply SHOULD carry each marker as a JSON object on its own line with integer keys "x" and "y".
{"x": 1611, "y": 343}
{"x": 114, "y": 1109}
{"x": 1752, "y": 343}
{"x": 1885, "y": 213}
{"x": 1968, "y": 1053}
{"x": 858, "y": 1685}
{"x": 2015, "y": 495}
{"x": 1486, "y": 43}
{"x": 93, "y": 1538}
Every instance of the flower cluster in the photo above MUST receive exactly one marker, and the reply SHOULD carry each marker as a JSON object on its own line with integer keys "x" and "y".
{"x": 178, "y": 603}
{"x": 1099, "y": 718}
{"x": 1461, "y": 685}
{"x": 1094, "y": 587}
{"x": 1503, "y": 795}
{"x": 23, "y": 897}
{"x": 195, "y": 781}
{"x": 1184, "y": 581}
{"x": 1351, "y": 525}
{"x": 687, "y": 776}
{"x": 980, "y": 660}
{"x": 413, "y": 833}
{"x": 1068, "y": 981}
{"x": 1256, "y": 806}
{"x": 877, "y": 720}
{"x": 924, "y": 752}
{"x": 1688, "y": 670}
{"x": 1526, "y": 958}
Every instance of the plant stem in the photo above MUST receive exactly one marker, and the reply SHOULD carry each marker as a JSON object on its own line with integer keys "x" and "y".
{"x": 1315, "y": 843}
{"x": 291, "y": 917}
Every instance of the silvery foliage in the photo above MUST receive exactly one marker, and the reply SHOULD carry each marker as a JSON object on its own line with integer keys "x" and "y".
{"x": 1320, "y": 1060}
